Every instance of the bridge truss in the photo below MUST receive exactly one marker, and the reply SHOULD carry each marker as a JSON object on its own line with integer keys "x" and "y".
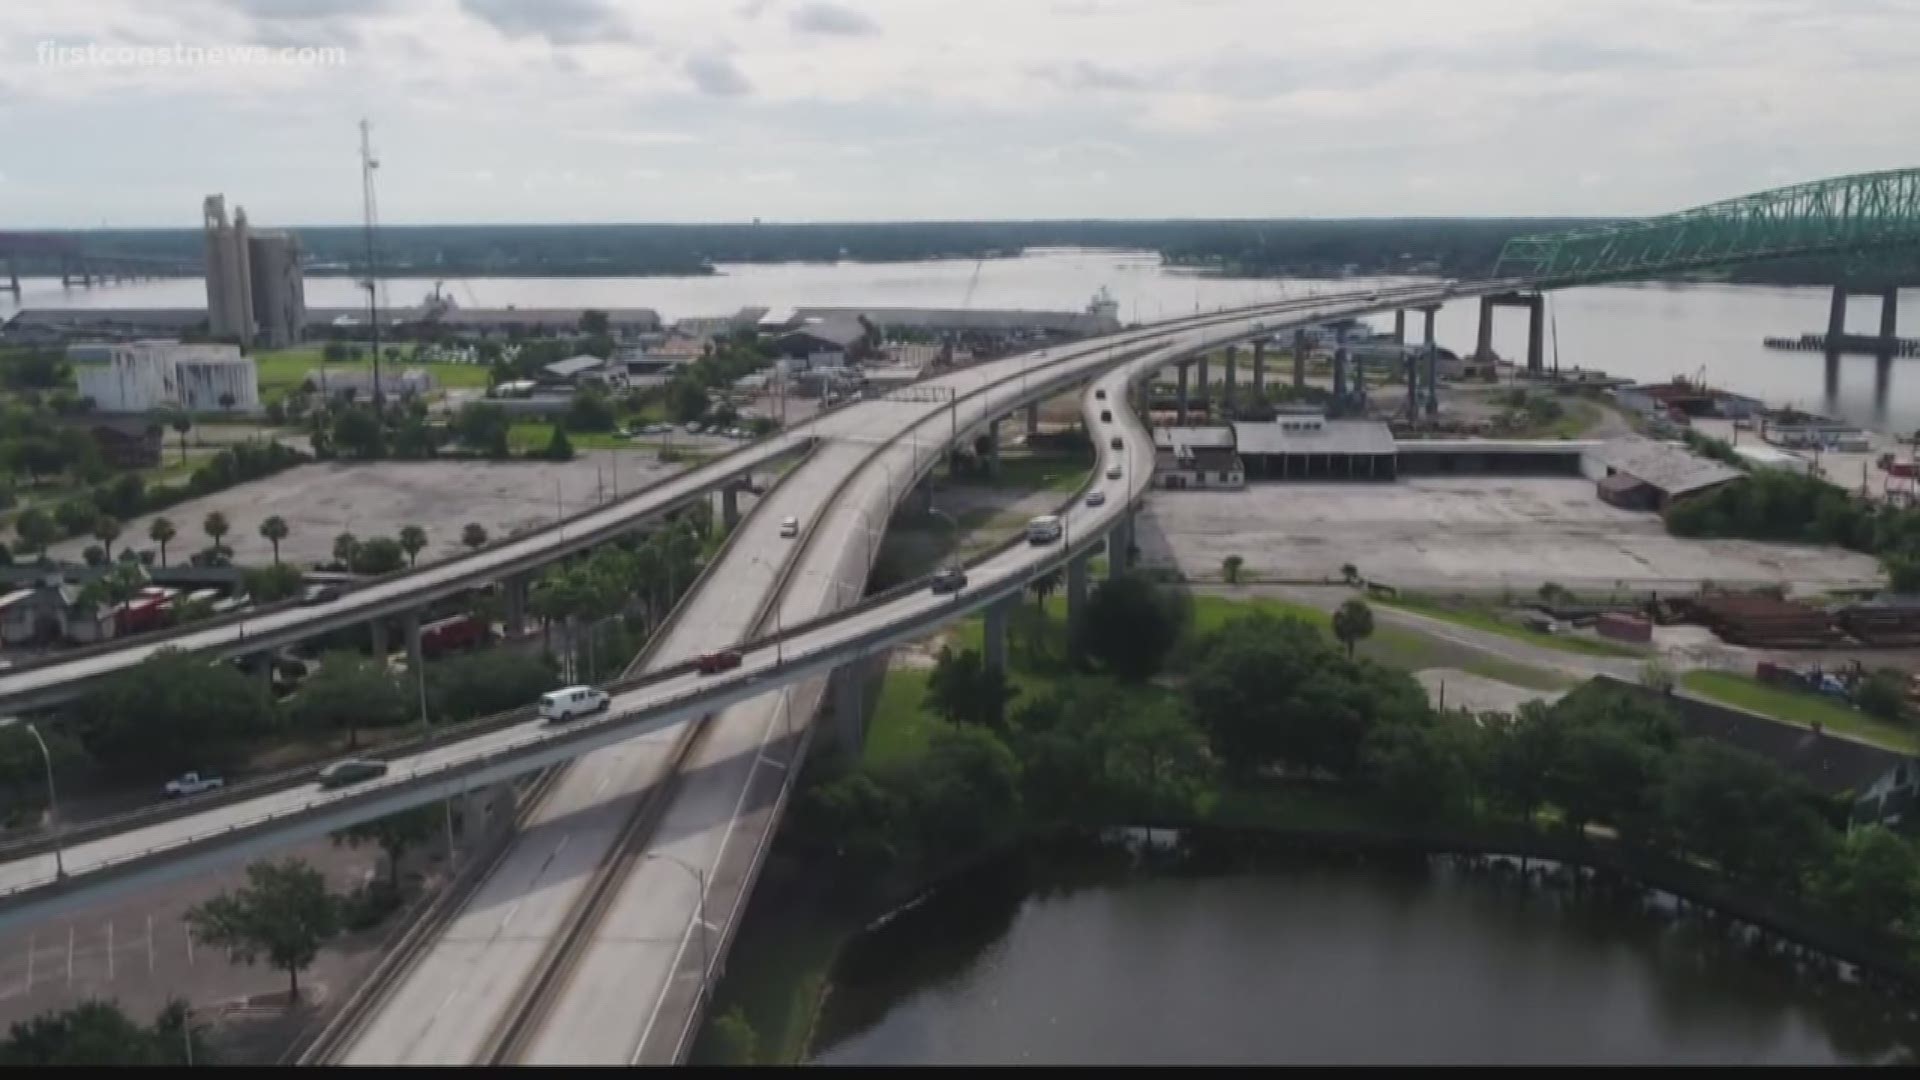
{"x": 1867, "y": 224}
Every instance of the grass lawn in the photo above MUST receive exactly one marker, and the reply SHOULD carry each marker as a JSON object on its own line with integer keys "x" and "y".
{"x": 282, "y": 370}
{"x": 899, "y": 728}
{"x": 1803, "y": 709}
{"x": 1482, "y": 619}
{"x": 1040, "y": 472}
{"x": 525, "y": 435}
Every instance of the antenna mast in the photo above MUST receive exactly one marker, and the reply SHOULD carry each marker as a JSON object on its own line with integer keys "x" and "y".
{"x": 371, "y": 216}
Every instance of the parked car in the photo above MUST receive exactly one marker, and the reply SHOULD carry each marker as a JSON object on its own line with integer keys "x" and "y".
{"x": 715, "y": 662}
{"x": 353, "y": 771}
{"x": 1096, "y": 498}
{"x": 560, "y": 706}
{"x": 193, "y": 784}
{"x": 790, "y": 528}
{"x": 950, "y": 580}
{"x": 320, "y": 594}
{"x": 1113, "y": 473}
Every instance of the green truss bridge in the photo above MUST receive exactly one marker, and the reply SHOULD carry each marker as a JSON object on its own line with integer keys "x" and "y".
{"x": 1861, "y": 230}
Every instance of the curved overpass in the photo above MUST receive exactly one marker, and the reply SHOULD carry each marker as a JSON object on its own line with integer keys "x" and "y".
{"x": 178, "y": 841}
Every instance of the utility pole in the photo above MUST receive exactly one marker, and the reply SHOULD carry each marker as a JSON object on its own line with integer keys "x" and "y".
{"x": 371, "y": 217}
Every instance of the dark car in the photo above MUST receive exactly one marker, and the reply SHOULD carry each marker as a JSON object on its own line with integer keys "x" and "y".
{"x": 320, "y": 594}
{"x": 341, "y": 773}
{"x": 1106, "y": 416}
{"x": 1101, "y": 394}
{"x": 950, "y": 580}
{"x": 715, "y": 662}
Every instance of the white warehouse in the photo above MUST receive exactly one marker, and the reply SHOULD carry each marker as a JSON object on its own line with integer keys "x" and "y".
{"x": 141, "y": 376}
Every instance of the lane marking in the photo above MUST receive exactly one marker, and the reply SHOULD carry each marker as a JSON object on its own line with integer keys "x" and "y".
{"x": 69, "y": 954}
{"x": 33, "y": 946}
{"x": 149, "y": 944}
{"x": 188, "y": 932}
{"x": 109, "y": 950}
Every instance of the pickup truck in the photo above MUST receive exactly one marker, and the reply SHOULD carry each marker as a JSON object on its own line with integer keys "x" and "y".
{"x": 193, "y": 784}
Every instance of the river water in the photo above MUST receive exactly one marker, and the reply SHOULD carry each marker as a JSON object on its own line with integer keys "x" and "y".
{"x": 1319, "y": 963}
{"x": 1644, "y": 331}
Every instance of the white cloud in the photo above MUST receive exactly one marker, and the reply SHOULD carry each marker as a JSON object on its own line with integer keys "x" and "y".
{"x": 824, "y": 18}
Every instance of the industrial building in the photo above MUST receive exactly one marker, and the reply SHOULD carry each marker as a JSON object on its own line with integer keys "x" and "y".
{"x": 341, "y": 381}
{"x": 141, "y": 376}
{"x": 1315, "y": 448}
{"x": 1197, "y": 457}
{"x": 255, "y": 289}
{"x": 1641, "y": 474}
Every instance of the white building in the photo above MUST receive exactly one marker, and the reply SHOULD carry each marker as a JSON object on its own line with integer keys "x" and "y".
{"x": 358, "y": 382}
{"x": 141, "y": 376}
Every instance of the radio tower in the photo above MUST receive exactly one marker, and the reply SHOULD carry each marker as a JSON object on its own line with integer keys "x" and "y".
{"x": 372, "y": 218}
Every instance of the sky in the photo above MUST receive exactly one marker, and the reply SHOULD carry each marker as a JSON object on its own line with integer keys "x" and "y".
{"x": 873, "y": 110}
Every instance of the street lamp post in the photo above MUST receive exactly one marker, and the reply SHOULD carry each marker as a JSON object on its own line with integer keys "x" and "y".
{"x": 53, "y": 801}
{"x": 954, "y": 525}
{"x": 700, "y": 882}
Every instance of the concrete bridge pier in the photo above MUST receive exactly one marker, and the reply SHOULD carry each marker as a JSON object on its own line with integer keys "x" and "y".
{"x": 1400, "y": 326}
{"x": 1837, "y": 316}
{"x": 1181, "y": 370}
{"x": 262, "y": 667}
{"x": 849, "y": 707}
{"x": 729, "y": 507}
{"x": 1206, "y": 394}
{"x": 1889, "y": 315}
{"x": 1233, "y": 365}
{"x": 1339, "y": 374}
{"x": 483, "y": 812}
{"x": 1260, "y": 368}
{"x": 515, "y": 589}
{"x": 377, "y": 631}
{"x": 13, "y": 280}
{"x": 1535, "y": 303}
{"x": 1536, "y": 336}
{"x": 1413, "y": 386}
{"x": 1299, "y": 359}
{"x": 1119, "y": 545}
{"x": 1033, "y": 419}
{"x": 1076, "y": 600}
{"x": 410, "y": 626}
{"x": 1433, "y": 362}
{"x": 1483, "y": 341}
{"x": 994, "y": 634}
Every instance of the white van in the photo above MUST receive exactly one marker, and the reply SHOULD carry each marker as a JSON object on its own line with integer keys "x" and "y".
{"x": 789, "y": 528}
{"x": 560, "y": 706}
{"x": 1045, "y": 529}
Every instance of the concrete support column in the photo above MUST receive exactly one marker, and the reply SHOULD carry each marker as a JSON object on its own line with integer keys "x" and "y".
{"x": 1233, "y": 364}
{"x": 1413, "y": 386}
{"x": 849, "y": 707}
{"x": 1182, "y": 370}
{"x": 483, "y": 812}
{"x": 1433, "y": 364}
{"x": 993, "y": 448}
{"x": 1836, "y": 316}
{"x": 1299, "y": 359}
{"x": 263, "y": 669}
{"x": 377, "y": 629}
{"x": 1206, "y": 395}
{"x": 1400, "y": 326}
{"x": 730, "y": 506}
{"x": 994, "y": 637}
{"x": 1889, "y": 315}
{"x": 410, "y": 626}
{"x": 1076, "y": 600}
{"x": 1119, "y": 546}
{"x": 1033, "y": 419}
{"x": 13, "y": 280}
{"x": 1339, "y": 373}
{"x": 1536, "y": 336}
{"x": 1260, "y": 368}
{"x": 516, "y": 589}
{"x": 1483, "y": 343}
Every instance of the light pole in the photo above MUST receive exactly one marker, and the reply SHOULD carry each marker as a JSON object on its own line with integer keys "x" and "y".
{"x": 53, "y": 802}
{"x": 778, "y": 655}
{"x": 700, "y": 882}
{"x": 935, "y": 511}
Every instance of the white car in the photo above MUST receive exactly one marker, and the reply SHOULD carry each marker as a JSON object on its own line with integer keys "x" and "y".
{"x": 560, "y": 706}
{"x": 790, "y": 528}
{"x": 193, "y": 784}
{"x": 1096, "y": 498}
{"x": 1113, "y": 473}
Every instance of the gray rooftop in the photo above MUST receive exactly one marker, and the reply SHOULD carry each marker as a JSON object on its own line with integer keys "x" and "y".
{"x": 835, "y": 331}
{"x": 1363, "y": 437}
{"x": 574, "y": 365}
{"x": 1062, "y": 322}
{"x": 1197, "y": 438}
{"x": 1670, "y": 467}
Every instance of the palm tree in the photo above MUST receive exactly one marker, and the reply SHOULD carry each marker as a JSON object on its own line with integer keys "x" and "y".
{"x": 216, "y": 526}
{"x": 226, "y": 402}
{"x": 1044, "y": 586}
{"x": 182, "y": 422}
{"x": 1230, "y": 568}
{"x": 106, "y": 529}
{"x": 1350, "y": 573}
{"x": 345, "y": 547}
{"x": 412, "y": 539}
{"x": 1353, "y": 623}
{"x": 474, "y": 535}
{"x": 275, "y": 530}
{"x": 160, "y": 532}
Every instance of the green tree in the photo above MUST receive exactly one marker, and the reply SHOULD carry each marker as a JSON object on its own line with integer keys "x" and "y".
{"x": 1883, "y": 694}
{"x": 171, "y": 713}
{"x": 349, "y": 692}
{"x": 484, "y": 683}
{"x": 379, "y": 555}
{"x": 413, "y": 539}
{"x": 591, "y": 411}
{"x": 358, "y": 430}
{"x": 283, "y": 914}
{"x": 96, "y": 1033}
{"x": 1873, "y": 879}
{"x": 1230, "y": 568}
{"x": 1741, "y": 811}
{"x": 1044, "y": 586}
{"x": 181, "y": 422}
{"x": 593, "y": 322}
{"x": 1422, "y": 772}
{"x": 274, "y": 530}
{"x": 1350, "y": 573}
{"x": 962, "y": 689}
{"x": 346, "y": 548}
{"x": 483, "y": 426}
{"x": 1131, "y": 625}
{"x": 161, "y": 531}
{"x": 36, "y": 530}
{"x": 1352, "y": 624}
{"x": 474, "y": 536}
{"x": 106, "y": 529}
{"x": 395, "y": 834}
{"x": 733, "y": 1040}
{"x": 216, "y": 527}
{"x": 269, "y": 583}
{"x": 559, "y": 447}
{"x": 686, "y": 398}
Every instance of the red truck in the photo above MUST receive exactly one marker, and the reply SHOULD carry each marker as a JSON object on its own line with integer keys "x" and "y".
{"x": 714, "y": 662}
{"x": 452, "y": 635}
